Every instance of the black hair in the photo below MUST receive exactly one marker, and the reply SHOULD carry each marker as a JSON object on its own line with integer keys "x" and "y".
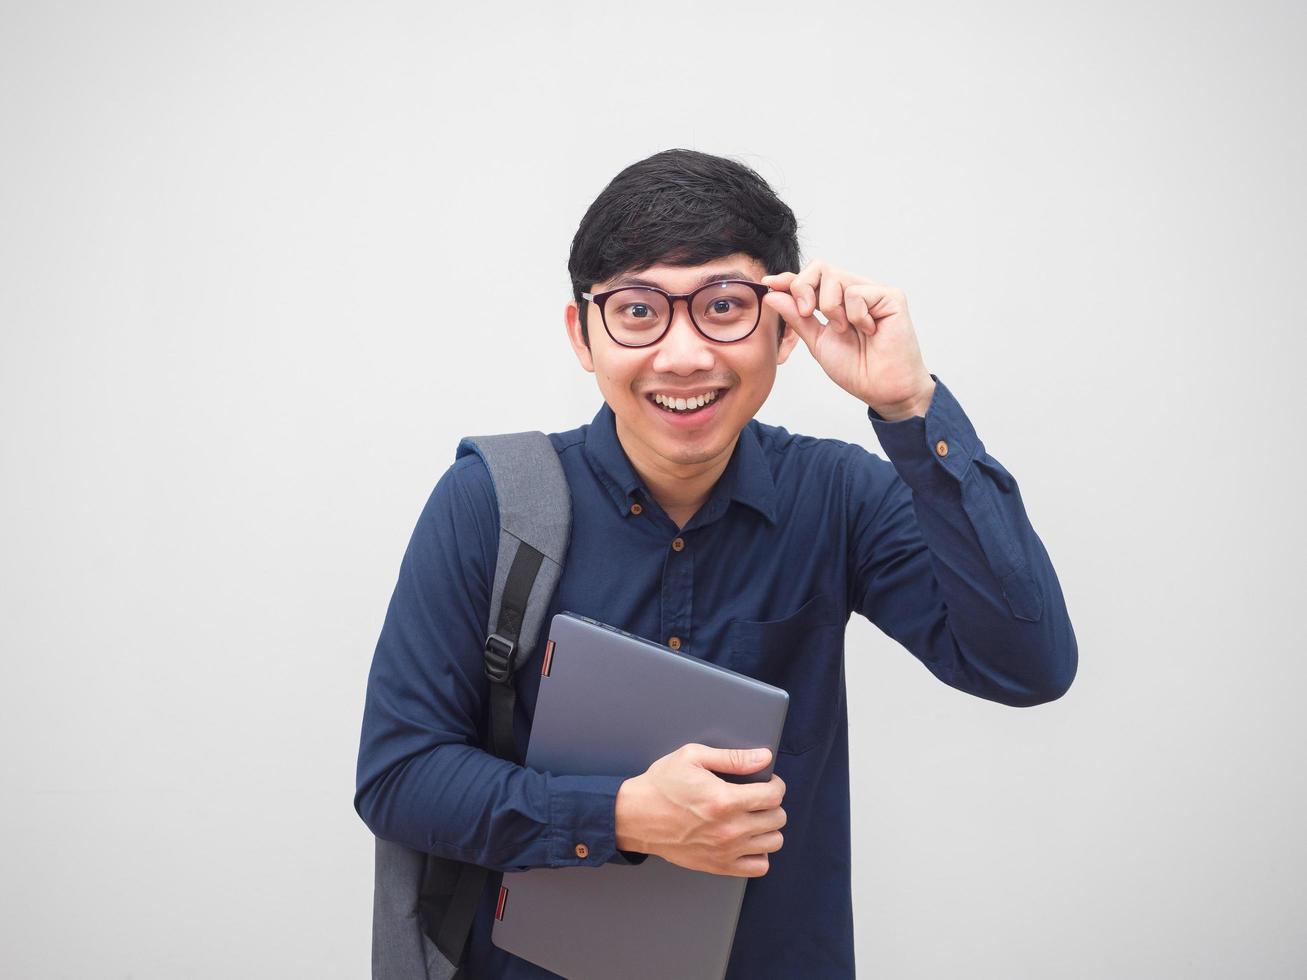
{"x": 680, "y": 207}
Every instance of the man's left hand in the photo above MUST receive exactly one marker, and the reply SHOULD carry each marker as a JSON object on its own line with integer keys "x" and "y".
{"x": 867, "y": 346}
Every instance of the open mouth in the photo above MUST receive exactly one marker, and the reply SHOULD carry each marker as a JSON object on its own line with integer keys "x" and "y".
{"x": 687, "y": 407}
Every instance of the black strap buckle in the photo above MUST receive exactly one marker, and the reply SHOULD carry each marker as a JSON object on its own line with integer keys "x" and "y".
{"x": 500, "y": 655}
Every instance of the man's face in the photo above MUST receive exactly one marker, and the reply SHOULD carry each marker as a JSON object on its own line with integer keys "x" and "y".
{"x": 683, "y": 364}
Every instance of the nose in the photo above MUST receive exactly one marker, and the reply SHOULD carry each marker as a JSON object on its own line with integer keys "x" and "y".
{"x": 683, "y": 350}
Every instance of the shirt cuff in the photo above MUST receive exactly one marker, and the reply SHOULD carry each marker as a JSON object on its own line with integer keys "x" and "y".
{"x": 583, "y": 818}
{"x": 924, "y": 449}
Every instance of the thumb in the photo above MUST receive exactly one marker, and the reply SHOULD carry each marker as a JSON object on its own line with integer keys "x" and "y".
{"x": 806, "y": 327}
{"x": 738, "y": 762}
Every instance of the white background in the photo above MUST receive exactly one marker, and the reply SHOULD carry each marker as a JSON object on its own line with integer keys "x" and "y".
{"x": 262, "y": 264}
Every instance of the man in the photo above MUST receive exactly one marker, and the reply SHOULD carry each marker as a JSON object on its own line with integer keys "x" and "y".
{"x": 738, "y": 542}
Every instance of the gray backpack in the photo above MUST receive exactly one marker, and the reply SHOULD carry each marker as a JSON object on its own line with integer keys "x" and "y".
{"x": 423, "y": 905}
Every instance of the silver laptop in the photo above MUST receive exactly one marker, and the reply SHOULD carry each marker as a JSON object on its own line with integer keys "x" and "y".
{"x": 610, "y": 704}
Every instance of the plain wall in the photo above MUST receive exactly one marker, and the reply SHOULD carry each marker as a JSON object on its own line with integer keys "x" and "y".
{"x": 262, "y": 264}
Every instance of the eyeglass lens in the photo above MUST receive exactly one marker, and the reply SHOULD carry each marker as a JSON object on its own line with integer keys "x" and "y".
{"x": 724, "y": 311}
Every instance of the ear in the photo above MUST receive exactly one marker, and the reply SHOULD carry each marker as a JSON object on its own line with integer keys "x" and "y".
{"x": 788, "y": 341}
{"x": 572, "y": 318}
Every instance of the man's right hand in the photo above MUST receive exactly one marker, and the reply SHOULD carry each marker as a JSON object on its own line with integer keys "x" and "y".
{"x": 680, "y": 810}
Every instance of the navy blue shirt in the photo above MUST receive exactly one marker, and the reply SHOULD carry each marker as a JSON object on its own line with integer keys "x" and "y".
{"x": 933, "y": 546}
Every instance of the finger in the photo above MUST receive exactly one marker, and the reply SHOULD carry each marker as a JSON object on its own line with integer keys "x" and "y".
{"x": 749, "y": 866}
{"x": 763, "y": 821}
{"x": 804, "y": 288}
{"x": 768, "y": 843}
{"x": 763, "y": 796}
{"x": 831, "y": 300}
{"x": 779, "y": 280}
{"x": 857, "y": 307}
{"x": 806, "y": 327}
{"x": 882, "y": 300}
{"x": 738, "y": 762}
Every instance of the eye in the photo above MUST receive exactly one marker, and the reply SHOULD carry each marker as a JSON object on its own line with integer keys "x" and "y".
{"x": 721, "y": 305}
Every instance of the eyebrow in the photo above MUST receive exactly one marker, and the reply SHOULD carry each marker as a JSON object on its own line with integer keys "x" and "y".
{"x": 711, "y": 277}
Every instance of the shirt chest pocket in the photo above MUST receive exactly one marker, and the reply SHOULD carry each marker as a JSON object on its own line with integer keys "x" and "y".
{"x": 802, "y": 654}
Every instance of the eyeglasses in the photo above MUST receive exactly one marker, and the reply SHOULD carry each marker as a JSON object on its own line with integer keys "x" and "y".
{"x": 725, "y": 311}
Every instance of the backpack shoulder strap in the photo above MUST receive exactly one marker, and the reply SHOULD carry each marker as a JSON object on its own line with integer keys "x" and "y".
{"x": 422, "y": 904}
{"x": 535, "y": 523}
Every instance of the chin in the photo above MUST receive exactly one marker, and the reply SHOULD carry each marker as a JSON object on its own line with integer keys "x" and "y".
{"x": 691, "y": 455}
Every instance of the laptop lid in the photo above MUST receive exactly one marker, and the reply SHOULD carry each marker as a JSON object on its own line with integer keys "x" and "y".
{"x": 611, "y": 703}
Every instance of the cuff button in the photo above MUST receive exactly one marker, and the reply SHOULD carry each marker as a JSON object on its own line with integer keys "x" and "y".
{"x": 582, "y": 851}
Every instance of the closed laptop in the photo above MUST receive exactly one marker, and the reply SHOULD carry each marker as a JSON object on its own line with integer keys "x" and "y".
{"x": 611, "y": 704}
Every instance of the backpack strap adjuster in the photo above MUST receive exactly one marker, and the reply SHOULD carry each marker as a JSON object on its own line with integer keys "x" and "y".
{"x": 500, "y": 657}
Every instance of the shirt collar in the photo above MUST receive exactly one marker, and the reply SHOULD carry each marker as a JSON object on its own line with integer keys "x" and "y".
{"x": 746, "y": 479}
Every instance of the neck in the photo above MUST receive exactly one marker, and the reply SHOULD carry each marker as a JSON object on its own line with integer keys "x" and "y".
{"x": 680, "y": 488}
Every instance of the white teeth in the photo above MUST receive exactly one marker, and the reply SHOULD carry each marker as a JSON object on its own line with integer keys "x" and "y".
{"x": 685, "y": 404}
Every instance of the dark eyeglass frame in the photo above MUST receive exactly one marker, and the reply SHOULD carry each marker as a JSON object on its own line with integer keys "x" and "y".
{"x": 601, "y": 299}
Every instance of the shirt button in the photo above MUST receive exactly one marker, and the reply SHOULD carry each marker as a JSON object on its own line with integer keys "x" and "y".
{"x": 582, "y": 851}
{"x": 637, "y": 510}
{"x": 674, "y": 643}
{"x": 941, "y": 448}
{"x": 678, "y": 544}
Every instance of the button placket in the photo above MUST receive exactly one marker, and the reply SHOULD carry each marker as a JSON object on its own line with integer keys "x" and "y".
{"x": 677, "y": 594}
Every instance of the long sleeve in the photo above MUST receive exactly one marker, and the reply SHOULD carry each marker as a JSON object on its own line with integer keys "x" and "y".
{"x": 423, "y": 779}
{"x": 945, "y": 561}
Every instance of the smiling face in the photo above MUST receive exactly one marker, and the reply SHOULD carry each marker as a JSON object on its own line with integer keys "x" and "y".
{"x": 732, "y": 379}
